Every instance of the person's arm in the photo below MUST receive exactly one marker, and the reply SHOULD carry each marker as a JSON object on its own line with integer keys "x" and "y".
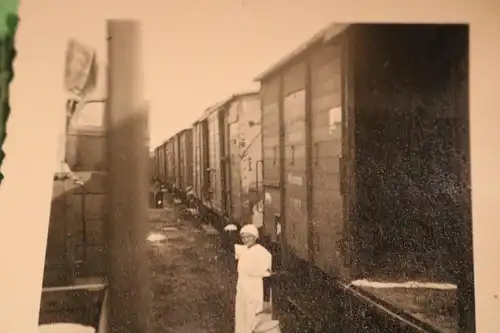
{"x": 238, "y": 250}
{"x": 261, "y": 273}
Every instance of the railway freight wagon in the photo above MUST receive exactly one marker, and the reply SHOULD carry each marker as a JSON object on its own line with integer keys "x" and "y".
{"x": 81, "y": 257}
{"x": 201, "y": 173}
{"x": 165, "y": 157}
{"x": 155, "y": 163}
{"x": 161, "y": 163}
{"x": 350, "y": 194}
{"x": 216, "y": 191}
{"x": 185, "y": 159}
{"x": 245, "y": 156}
{"x": 176, "y": 157}
{"x": 227, "y": 156}
{"x": 169, "y": 149}
{"x": 76, "y": 251}
{"x": 151, "y": 164}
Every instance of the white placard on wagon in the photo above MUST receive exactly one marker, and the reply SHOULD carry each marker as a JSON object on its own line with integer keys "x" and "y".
{"x": 334, "y": 118}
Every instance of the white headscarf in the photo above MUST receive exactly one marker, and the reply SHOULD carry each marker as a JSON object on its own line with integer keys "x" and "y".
{"x": 250, "y": 229}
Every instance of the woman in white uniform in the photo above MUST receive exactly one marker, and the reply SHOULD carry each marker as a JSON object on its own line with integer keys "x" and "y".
{"x": 254, "y": 263}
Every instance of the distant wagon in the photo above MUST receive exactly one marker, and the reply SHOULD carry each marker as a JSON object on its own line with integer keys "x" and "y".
{"x": 185, "y": 138}
{"x": 162, "y": 170}
{"x": 227, "y": 150}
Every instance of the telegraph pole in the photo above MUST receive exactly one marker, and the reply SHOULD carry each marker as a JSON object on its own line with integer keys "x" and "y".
{"x": 127, "y": 162}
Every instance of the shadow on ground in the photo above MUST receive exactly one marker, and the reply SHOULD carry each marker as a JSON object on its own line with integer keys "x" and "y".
{"x": 192, "y": 278}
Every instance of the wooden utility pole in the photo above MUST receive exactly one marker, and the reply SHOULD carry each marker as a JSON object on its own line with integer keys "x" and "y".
{"x": 128, "y": 186}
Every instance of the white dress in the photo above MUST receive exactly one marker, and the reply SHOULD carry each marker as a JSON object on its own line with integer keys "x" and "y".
{"x": 254, "y": 263}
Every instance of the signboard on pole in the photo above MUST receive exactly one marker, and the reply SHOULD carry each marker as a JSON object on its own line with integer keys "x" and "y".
{"x": 79, "y": 81}
{"x": 79, "y": 68}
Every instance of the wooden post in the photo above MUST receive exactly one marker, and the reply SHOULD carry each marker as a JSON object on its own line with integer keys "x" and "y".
{"x": 128, "y": 192}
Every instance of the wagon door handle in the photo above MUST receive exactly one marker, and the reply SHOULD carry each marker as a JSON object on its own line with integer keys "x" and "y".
{"x": 342, "y": 175}
{"x": 292, "y": 162}
{"x": 317, "y": 242}
{"x": 274, "y": 155}
{"x": 316, "y": 148}
{"x": 257, "y": 174}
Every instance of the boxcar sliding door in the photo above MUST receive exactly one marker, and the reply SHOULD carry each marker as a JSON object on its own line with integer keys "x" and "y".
{"x": 326, "y": 158}
{"x": 161, "y": 164}
{"x": 177, "y": 165}
{"x": 294, "y": 168}
{"x": 182, "y": 160}
{"x": 270, "y": 104}
{"x": 206, "y": 180}
{"x": 225, "y": 166}
{"x": 214, "y": 160}
{"x": 197, "y": 169}
{"x": 235, "y": 161}
{"x": 165, "y": 161}
{"x": 189, "y": 160}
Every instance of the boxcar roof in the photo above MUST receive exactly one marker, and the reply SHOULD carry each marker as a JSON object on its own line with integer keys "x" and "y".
{"x": 323, "y": 36}
{"x": 162, "y": 144}
{"x": 185, "y": 130}
{"x": 178, "y": 133}
{"x": 211, "y": 109}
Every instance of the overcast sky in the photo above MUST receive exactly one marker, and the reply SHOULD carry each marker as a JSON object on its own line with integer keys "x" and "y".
{"x": 196, "y": 52}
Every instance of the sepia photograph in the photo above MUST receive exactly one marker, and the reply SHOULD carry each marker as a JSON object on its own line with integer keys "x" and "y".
{"x": 349, "y": 173}
{"x": 231, "y": 172}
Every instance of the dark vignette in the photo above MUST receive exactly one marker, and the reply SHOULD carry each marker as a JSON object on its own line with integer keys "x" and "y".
{"x": 6, "y": 75}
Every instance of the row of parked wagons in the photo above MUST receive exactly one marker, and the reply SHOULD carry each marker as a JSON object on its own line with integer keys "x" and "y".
{"x": 218, "y": 159}
{"x": 311, "y": 147}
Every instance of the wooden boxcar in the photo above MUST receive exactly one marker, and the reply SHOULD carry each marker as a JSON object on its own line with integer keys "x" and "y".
{"x": 161, "y": 163}
{"x": 227, "y": 151}
{"x": 151, "y": 166}
{"x": 86, "y": 149}
{"x": 201, "y": 181}
{"x": 185, "y": 159}
{"x": 169, "y": 148}
{"x": 163, "y": 147}
{"x": 216, "y": 120}
{"x": 176, "y": 155}
{"x": 154, "y": 165}
{"x": 335, "y": 162}
{"x": 76, "y": 244}
{"x": 245, "y": 155}
{"x": 302, "y": 144}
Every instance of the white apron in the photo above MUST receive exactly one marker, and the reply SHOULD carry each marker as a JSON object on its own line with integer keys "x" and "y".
{"x": 254, "y": 263}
